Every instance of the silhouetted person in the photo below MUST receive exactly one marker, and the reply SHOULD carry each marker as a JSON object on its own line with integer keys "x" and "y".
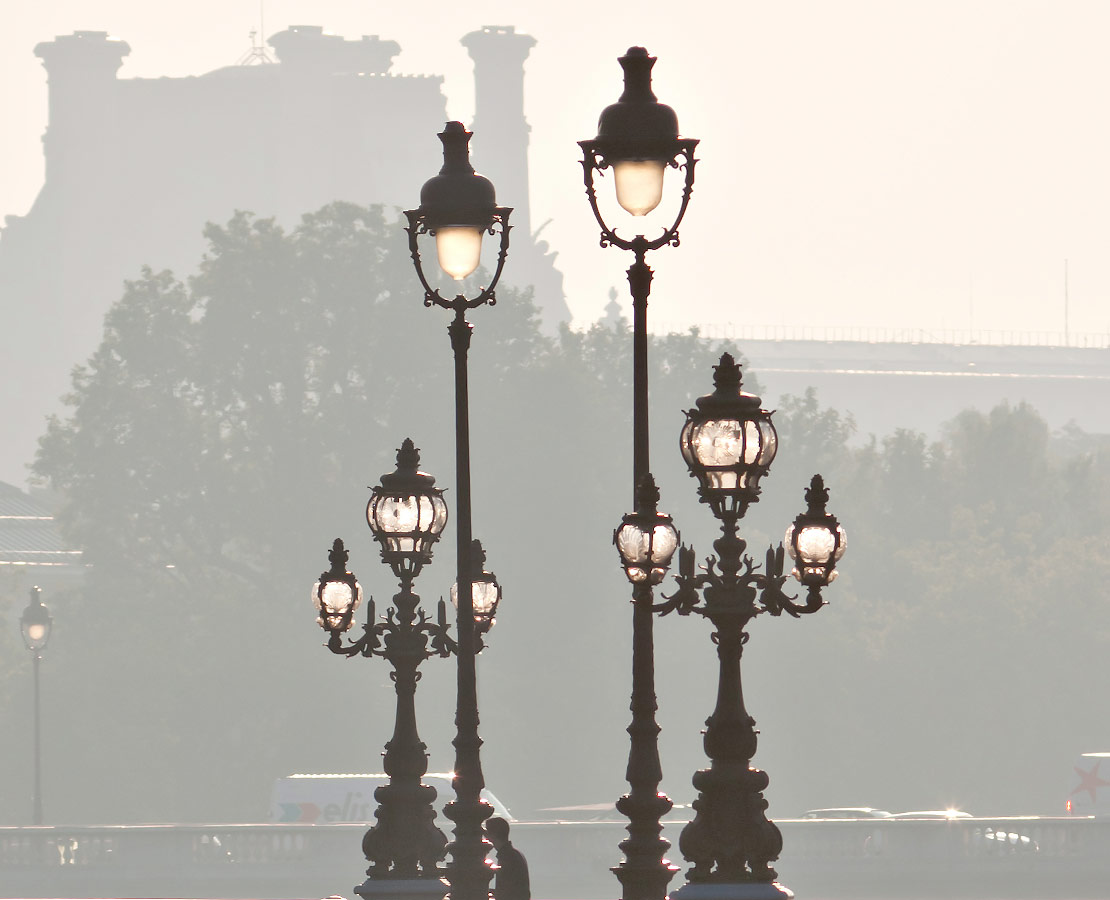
{"x": 511, "y": 881}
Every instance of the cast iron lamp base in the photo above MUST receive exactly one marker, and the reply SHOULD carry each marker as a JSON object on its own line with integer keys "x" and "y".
{"x": 403, "y": 889}
{"x": 720, "y": 891}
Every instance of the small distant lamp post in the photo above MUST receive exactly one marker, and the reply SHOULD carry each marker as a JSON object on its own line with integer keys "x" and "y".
{"x": 457, "y": 207}
{"x": 407, "y": 515}
{"x": 728, "y": 443}
{"x": 637, "y": 138}
{"x": 35, "y": 625}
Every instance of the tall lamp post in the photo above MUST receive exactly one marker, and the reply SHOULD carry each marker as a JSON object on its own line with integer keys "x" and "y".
{"x": 457, "y": 207}
{"x": 35, "y": 625}
{"x": 728, "y": 443}
{"x": 638, "y": 139}
{"x": 407, "y": 515}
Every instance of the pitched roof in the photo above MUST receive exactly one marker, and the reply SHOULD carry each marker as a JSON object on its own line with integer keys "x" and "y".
{"x": 28, "y": 535}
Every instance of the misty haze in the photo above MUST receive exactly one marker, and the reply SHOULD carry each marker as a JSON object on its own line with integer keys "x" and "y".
{"x": 288, "y": 381}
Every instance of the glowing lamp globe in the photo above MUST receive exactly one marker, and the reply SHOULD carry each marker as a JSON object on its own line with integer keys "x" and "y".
{"x": 407, "y": 514}
{"x": 816, "y": 541}
{"x": 337, "y": 594}
{"x": 728, "y": 443}
{"x": 457, "y": 206}
{"x": 646, "y": 539}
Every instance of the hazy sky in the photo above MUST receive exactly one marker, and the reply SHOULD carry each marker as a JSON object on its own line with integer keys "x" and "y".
{"x": 893, "y": 164}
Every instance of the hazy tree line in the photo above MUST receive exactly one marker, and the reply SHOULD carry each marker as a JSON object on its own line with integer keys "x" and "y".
{"x": 227, "y": 427}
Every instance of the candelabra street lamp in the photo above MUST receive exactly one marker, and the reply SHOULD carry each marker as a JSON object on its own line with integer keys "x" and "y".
{"x": 457, "y": 207}
{"x": 638, "y": 139}
{"x": 35, "y": 625}
{"x": 407, "y": 515}
{"x": 728, "y": 443}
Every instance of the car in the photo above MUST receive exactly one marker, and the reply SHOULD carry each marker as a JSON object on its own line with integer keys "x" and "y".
{"x": 846, "y": 812}
{"x": 933, "y": 814}
{"x": 1000, "y": 841}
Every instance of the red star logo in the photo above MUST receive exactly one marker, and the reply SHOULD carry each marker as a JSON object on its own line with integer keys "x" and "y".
{"x": 1089, "y": 781}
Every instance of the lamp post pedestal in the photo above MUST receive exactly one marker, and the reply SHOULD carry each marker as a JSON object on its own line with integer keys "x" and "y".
{"x": 772, "y": 891}
{"x": 403, "y": 889}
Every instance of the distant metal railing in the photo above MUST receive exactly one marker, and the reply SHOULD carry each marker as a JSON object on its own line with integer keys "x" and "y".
{"x": 737, "y": 331}
{"x": 999, "y": 858}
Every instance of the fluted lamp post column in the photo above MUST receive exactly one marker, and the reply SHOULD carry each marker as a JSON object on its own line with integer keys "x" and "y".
{"x": 638, "y": 142}
{"x": 35, "y": 625}
{"x": 407, "y": 515}
{"x": 728, "y": 443}
{"x": 458, "y": 207}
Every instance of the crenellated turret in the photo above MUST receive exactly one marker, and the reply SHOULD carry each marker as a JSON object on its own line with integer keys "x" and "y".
{"x": 81, "y": 76}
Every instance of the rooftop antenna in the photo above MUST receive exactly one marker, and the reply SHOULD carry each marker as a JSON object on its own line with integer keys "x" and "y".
{"x": 1067, "y": 343}
{"x": 971, "y": 307}
{"x": 258, "y": 55}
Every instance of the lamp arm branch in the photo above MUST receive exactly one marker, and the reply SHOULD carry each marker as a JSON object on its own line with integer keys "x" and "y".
{"x": 367, "y": 645}
{"x": 593, "y": 160}
{"x": 432, "y": 297}
{"x": 414, "y": 230}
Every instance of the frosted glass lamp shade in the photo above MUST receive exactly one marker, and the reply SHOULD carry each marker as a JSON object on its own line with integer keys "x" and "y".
{"x": 639, "y": 184}
{"x": 459, "y": 250}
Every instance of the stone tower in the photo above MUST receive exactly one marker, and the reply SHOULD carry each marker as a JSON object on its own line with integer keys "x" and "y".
{"x": 500, "y": 129}
{"x": 501, "y": 153}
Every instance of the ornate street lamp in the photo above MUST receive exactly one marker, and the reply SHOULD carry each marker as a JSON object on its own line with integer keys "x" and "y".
{"x": 35, "y": 624}
{"x": 638, "y": 139}
{"x": 407, "y": 515}
{"x": 458, "y": 206}
{"x": 728, "y": 442}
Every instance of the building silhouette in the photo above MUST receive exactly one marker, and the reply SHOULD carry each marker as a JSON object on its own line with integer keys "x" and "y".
{"x": 136, "y": 166}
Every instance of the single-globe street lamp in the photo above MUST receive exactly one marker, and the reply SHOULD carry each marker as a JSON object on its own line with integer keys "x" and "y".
{"x": 457, "y": 207}
{"x": 728, "y": 443}
{"x": 637, "y": 137}
{"x": 638, "y": 140}
{"x": 406, "y": 514}
{"x": 35, "y": 625}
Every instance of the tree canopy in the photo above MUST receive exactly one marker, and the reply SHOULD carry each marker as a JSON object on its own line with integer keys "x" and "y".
{"x": 224, "y": 432}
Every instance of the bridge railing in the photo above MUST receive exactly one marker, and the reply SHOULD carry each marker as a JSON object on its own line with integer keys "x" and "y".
{"x": 982, "y": 857}
{"x": 741, "y": 331}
